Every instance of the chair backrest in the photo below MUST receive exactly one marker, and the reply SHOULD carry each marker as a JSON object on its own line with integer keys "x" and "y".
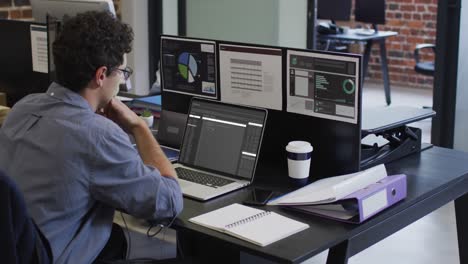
{"x": 22, "y": 241}
{"x": 424, "y": 67}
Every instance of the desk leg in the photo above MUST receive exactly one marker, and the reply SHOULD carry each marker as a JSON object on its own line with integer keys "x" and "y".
{"x": 383, "y": 62}
{"x": 461, "y": 215}
{"x": 366, "y": 58}
{"x": 338, "y": 254}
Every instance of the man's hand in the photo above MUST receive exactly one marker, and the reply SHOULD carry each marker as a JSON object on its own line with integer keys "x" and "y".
{"x": 123, "y": 116}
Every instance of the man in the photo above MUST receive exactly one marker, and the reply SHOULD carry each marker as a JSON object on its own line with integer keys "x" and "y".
{"x": 68, "y": 152}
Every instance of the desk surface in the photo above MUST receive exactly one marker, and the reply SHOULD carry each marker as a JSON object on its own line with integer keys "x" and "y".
{"x": 351, "y": 35}
{"x": 435, "y": 177}
{"x": 383, "y": 118}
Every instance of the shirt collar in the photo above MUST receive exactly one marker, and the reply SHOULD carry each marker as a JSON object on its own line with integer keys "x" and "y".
{"x": 68, "y": 96}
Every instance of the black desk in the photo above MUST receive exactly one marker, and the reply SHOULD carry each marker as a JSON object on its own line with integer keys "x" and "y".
{"x": 379, "y": 37}
{"x": 435, "y": 177}
{"x": 384, "y": 118}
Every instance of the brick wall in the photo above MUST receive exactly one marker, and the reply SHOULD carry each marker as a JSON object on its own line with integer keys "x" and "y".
{"x": 15, "y": 9}
{"x": 414, "y": 20}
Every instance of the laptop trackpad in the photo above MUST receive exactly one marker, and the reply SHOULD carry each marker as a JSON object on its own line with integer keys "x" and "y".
{"x": 184, "y": 185}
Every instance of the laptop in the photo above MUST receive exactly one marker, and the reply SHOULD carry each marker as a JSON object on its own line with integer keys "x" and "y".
{"x": 220, "y": 148}
{"x": 170, "y": 133}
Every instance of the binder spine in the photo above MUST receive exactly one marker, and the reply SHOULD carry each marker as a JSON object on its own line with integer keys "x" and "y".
{"x": 248, "y": 219}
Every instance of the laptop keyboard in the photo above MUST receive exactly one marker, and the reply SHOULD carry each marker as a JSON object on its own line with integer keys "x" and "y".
{"x": 201, "y": 178}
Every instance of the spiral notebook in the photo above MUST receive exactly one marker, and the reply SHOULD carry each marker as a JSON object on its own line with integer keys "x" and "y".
{"x": 250, "y": 224}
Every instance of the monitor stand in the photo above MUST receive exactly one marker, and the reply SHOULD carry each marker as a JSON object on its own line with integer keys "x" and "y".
{"x": 376, "y": 30}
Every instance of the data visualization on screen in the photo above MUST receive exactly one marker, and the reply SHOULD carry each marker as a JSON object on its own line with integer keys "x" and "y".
{"x": 323, "y": 85}
{"x": 189, "y": 66}
{"x": 251, "y": 75}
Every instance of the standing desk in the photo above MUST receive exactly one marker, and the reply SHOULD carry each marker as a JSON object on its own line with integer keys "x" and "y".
{"x": 379, "y": 37}
{"x": 434, "y": 177}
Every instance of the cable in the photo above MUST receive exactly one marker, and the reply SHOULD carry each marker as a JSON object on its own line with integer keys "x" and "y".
{"x": 129, "y": 239}
{"x": 161, "y": 227}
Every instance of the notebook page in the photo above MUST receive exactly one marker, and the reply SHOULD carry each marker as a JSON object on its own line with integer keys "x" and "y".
{"x": 267, "y": 229}
{"x": 224, "y": 216}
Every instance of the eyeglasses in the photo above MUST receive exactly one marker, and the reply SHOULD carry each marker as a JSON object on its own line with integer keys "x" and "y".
{"x": 126, "y": 72}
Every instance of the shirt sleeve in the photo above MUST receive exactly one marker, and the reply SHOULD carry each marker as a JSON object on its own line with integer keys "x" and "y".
{"x": 119, "y": 178}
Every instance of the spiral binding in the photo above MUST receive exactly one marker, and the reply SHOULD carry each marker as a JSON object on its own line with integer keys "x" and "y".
{"x": 248, "y": 219}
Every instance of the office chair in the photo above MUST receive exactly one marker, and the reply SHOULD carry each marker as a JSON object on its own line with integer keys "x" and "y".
{"x": 424, "y": 67}
{"x": 21, "y": 240}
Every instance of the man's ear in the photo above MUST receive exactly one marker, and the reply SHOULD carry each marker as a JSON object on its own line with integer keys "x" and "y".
{"x": 100, "y": 75}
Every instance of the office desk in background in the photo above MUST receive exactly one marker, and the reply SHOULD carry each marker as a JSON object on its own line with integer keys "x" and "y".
{"x": 435, "y": 177}
{"x": 379, "y": 37}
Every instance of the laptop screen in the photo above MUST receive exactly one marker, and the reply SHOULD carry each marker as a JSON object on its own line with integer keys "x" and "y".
{"x": 223, "y": 138}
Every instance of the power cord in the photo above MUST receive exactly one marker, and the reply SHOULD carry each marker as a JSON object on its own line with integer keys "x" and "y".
{"x": 160, "y": 226}
{"x": 129, "y": 245}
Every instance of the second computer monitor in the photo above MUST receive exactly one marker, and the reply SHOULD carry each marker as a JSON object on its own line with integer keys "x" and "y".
{"x": 251, "y": 75}
{"x": 189, "y": 66}
{"x": 23, "y": 59}
{"x": 370, "y": 11}
{"x": 334, "y": 9}
{"x": 323, "y": 85}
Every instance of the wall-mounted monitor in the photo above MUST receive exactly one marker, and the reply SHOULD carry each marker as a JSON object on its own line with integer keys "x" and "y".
{"x": 59, "y": 8}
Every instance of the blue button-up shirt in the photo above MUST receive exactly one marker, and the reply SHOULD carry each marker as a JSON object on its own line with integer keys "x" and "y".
{"x": 74, "y": 168}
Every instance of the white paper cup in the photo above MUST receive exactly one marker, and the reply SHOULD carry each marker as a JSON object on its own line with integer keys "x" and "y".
{"x": 299, "y": 154}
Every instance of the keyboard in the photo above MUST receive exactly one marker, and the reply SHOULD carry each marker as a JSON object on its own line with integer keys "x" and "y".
{"x": 201, "y": 178}
{"x": 364, "y": 32}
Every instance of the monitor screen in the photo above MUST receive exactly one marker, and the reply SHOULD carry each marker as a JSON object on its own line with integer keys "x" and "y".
{"x": 323, "y": 85}
{"x": 59, "y": 8}
{"x": 223, "y": 138}
{"x": 334, "y": 9}
{"x": 370, "y": 11}
{"x": 251, "y": 75}
{"x": 189, "y": 66}
{"x": 23, "y": 59}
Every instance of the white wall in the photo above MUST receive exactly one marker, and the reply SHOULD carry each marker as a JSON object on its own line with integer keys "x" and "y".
{"x": 268, "y": 22}
{"x": 292, "y": 23}
{"x": 135, "y": 13}
{"x": 170, "y": 21}
{"x": 461, "y": 109}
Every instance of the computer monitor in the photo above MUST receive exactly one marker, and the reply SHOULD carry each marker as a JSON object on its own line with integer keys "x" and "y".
{"x": 323, "y": 85}
{"x": 189, "y": 66}
{"x": 59, "y": 8}
{"x": 23, "y": 59}
{"x": 53, "y": 13}
{"x": 251, "y": 75}
{"x": 370, "y": 11}
{"x": 334, "y": 9}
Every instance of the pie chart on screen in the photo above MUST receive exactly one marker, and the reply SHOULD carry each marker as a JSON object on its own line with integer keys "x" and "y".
{"x": 187, "y": 66}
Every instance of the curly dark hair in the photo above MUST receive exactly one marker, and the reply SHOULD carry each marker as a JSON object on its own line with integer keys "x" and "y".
{"x": 86, "y": 42}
